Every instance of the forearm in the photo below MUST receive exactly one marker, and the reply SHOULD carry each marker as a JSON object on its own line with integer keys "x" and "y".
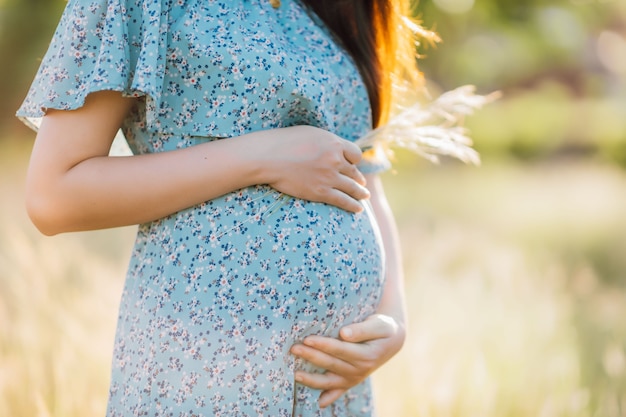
{"x": 72, "y": 183}
{"x": 393, "y": 299}
{"x": 102, "y": 192}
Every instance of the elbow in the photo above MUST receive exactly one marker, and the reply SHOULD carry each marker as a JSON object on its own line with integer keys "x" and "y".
{"x": 44, "y": 214}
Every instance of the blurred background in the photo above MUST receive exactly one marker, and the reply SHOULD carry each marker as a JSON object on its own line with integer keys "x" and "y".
{"x": 515, "y": 271}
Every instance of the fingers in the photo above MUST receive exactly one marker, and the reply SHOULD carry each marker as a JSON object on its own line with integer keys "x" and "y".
{"x": 333, "y": 386}
{"x": 347, "y": 189}
{"x": 343, "y": 201}
{"x": 351, "y": 152}
{"x": 351, "y": 187}
{"x": 330, "y": 396}
{"x": 328, "y": 354}
{"x": 360, "y": 349}
{"x": 339, "y": 376}
{"x": 325, "y": 381}
{"x": 333, "y": 354}
{"x": 351, "y": 171}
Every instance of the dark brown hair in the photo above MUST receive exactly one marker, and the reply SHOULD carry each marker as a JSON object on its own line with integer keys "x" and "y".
{"x": 381, "y": 40}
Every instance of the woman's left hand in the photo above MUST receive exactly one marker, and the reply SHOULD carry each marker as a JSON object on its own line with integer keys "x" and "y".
{"x": 360, "y": 349}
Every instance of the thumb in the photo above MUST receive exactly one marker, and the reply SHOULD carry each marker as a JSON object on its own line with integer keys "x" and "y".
{"x": 347, "y": 333}
{"x": 376, "y": 326}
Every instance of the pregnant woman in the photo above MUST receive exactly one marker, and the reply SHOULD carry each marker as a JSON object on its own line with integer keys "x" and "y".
{"x": 265, "y": 278}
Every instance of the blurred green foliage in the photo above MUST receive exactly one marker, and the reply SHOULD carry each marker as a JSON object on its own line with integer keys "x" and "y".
{"x": 561, "y": 65}
{"x": 26, "y": 27}
{"x": 506, "y": 44}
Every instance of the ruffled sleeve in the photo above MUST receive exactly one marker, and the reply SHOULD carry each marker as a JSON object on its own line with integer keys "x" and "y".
{"x": 205, "y": 69}
{"x": 116, "y": 45}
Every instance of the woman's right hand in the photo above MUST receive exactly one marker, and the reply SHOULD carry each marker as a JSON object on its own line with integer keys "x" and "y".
{"x": 314, "y": 164}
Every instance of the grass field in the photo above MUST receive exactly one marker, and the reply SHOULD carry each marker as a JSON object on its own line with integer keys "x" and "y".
{"x": 515, "y": 282}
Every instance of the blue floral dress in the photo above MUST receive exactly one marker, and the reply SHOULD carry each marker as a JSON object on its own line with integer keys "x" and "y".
{"x": 217, "y": 294}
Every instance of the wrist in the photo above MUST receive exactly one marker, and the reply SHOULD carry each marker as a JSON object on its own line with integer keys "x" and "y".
{"x": 255, "y": 153}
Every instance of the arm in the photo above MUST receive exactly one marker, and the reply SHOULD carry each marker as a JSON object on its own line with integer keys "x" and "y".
{"x": 392, "y": 303}
{"x": 72, "y": 183}
{"x": 362, "y": 347}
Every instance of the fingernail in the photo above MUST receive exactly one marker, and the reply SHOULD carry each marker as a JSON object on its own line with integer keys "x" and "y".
{"x": 298, "y": 377}
{"x": 347, "y": 332}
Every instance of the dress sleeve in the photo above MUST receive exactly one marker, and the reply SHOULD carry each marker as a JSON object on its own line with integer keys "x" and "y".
{"x": 116, "y": 45}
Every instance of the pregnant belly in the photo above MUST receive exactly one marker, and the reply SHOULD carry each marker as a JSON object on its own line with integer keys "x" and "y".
{"x": 258, "y": 258}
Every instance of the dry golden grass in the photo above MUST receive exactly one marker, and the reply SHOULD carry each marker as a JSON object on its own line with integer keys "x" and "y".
{"x": 57, "y": 308}
{"x": 515, "y": 285}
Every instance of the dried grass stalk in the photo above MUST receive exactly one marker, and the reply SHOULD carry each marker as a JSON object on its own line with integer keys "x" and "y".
{"x": 434, "y": 129}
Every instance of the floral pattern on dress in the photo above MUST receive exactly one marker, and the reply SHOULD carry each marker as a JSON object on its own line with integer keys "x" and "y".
{"x": 217, "y": 294}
